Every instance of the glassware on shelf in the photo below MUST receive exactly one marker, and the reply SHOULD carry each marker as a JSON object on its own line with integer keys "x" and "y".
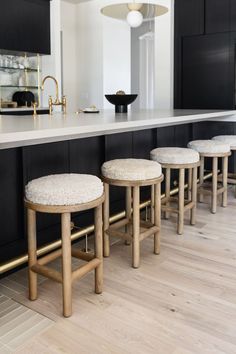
{"x": 19, "y": 73}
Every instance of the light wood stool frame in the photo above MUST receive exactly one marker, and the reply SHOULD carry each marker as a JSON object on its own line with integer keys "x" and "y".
{"x": 38, "y": 266}
{"x": 214, "y": 191}
{"x": 231, "y": 176}
{"x": 132, "y": 220}
{"x": 183, "y": 204}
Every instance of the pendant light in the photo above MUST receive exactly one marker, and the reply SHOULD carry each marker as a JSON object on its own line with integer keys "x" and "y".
{"x": 133, "y": 13}
{"x": 134, "y": 16}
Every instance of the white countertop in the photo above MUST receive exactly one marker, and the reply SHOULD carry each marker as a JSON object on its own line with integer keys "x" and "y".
{"x": 18, "y": 131}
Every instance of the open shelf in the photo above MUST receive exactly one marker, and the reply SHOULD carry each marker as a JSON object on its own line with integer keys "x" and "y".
{"x": 17, "y": 69}
{"x": 20, "y": 87}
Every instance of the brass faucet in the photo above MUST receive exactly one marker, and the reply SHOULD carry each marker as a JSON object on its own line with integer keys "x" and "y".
{"x": 57, "y": 101}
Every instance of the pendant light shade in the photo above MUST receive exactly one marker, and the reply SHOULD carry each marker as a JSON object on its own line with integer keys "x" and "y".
{"x": 134, "y": 13}
{"x": 134, "y": 18}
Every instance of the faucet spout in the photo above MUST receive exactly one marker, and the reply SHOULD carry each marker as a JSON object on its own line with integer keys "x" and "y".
{"x": 57, "y": 101}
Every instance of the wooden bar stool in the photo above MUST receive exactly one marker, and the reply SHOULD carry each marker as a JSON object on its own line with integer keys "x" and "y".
{"x": 132, "y": 174}
{"x": 214, "y": 150}
{"x": 180, "y": 159}
{"x": 64, "y": 194}
{"x": 231, "y": 141}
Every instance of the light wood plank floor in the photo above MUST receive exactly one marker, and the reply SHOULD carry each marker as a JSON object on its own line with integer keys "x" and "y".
{"x": 180, "y": 302}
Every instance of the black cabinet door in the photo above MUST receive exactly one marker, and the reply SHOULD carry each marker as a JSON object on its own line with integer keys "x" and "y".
{"x": 189, "y": 21}
{"x": 208, "y": 72}
{"x": 189, "y": 17}
{"x": 25, "y": 26}
{"x": 233, "y": 15}
{"x": 143, "y": 142}
{"x": 87, "y": 155}
{"x": 217, "y": 16}
{"x": 11, "y": 206}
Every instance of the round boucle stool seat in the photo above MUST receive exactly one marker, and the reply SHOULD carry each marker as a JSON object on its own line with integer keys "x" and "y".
{"x": 227, "y": 139}
{"x": 131, "y": 170}
{"x": 64, "y": 189}
{"x": 210, "y": 147}
{"x": 174, "y": 156}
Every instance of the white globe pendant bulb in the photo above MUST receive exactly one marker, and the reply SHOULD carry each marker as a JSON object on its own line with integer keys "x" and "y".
{"x": 134, "y": 18}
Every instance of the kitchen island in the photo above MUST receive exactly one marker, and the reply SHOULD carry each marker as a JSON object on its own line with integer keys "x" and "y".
{"x": 32, "y": 147}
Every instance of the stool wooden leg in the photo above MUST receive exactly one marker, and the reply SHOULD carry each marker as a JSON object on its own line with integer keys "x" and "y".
{"x": 214, "y": 185}
{"x": 190, "y": 181}
{"x": 167, "y": 190}
{"x": 136, "y": 227}
{"x": 66, "y": 264}
{"x": 157, "y": 235}
{"x": 201, "y": 177}
{"x": 194, "y": 196}
{"x": 32, "y": 252}
{"x": 225, "y": 181}
{"x": 152, "y": 203}
{"x": 106, "y": 214}
{"x": 98, "y": 250}
{"x": 128, "y": 201}
{"x": 181, "y": 202}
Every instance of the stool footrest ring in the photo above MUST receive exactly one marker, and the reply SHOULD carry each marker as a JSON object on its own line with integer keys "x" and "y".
{"x": 84, "y": 269}
{"x": 115, "y": 233}
{"x": 47, "y": 272}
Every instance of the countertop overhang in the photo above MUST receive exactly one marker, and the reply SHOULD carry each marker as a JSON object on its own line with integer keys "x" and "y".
{"x": 17, "y": 131}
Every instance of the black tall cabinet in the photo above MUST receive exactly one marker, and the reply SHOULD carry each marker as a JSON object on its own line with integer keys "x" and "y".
{"x": 25, "y": 26}
{"x": 205, "y": 38}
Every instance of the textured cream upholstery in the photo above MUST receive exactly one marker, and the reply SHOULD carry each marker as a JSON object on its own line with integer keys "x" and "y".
{"x": 209, "y": 146}
{"x": 64, "y": 189}
{"x": 228, "y": 139}
{"x": 131, "y": 169}
{"x": 172, "y": 155}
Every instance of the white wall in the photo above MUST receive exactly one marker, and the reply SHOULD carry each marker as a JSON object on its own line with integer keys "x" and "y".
{"x": 116, "y": 57}
{"x": 103, "y": 54}
{"x": 51, "y": 64}
{"x": 69, "y": 55}
{"x": 96, "y": 54}
{"x": 164, "y": 57}
{"x": 90, "y": 54}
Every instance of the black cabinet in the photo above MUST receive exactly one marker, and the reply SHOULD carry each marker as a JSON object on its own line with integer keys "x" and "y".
{"x": 11, "y": 206}
{"x": 189, "y": 21}
{"x": 25, "y": 26}
{"x": 233, "y": 15}
{"x": 205, "y": 41}
{"x": 217, "y": 16}
{"x": 208, "y": 76}
{"x": 189, "y": 17}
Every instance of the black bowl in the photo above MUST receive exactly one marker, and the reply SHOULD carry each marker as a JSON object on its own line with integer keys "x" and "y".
{"x": 121, "y": 101}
